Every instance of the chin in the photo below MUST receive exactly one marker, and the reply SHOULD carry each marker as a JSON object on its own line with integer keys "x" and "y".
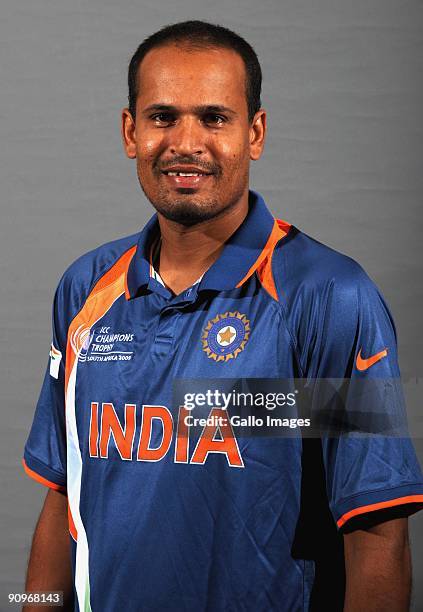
{"x": 187, "y": 213}
{"x": 186, "y": 207}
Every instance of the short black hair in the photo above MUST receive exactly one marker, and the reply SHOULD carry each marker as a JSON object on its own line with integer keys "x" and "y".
{"x": 201, "y": 35}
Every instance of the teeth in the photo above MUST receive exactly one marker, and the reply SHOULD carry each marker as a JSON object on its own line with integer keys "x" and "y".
{"x": 184, "y": 174}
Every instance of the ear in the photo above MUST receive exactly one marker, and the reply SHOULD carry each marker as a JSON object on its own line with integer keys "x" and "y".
{"x": 128, "y": 133}
{"x": 257, "y": 134}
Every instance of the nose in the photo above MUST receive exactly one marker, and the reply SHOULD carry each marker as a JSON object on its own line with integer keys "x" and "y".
{"x": 187, "y": 137}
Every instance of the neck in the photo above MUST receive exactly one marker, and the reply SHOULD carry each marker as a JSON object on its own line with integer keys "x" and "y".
{"x": 187, "y": 252}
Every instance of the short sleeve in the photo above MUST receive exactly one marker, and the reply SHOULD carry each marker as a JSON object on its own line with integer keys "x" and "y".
{"x": 45, "y": 450}
{"x": 369, "y": 458}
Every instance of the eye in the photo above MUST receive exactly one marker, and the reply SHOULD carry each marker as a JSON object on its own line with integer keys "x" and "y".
{"x": 214, "y": 119}
{"x": 163, "y": 118}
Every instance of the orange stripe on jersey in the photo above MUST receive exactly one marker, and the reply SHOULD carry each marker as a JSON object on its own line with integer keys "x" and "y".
{"x": 132, "y": 253}
{"x": 107, "y": 289}
{"x": 72, "y": 528}
{"x": 265, "y": 276}
{"x": 284, "y": 226}
{"x": 399, "y": 501}
{"x": 263, "y": 264}
{"x": 41, "y": 479}
{"x": 120, "y": 267}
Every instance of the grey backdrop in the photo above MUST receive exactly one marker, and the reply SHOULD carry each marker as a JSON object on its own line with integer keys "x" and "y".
{"x": 344, "y": 90}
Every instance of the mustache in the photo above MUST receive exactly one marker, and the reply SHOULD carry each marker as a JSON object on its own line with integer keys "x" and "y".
{"x": 209, "y": 167}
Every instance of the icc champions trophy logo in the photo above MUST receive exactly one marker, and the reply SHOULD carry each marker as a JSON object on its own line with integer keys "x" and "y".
{"x": 80, "y": 341}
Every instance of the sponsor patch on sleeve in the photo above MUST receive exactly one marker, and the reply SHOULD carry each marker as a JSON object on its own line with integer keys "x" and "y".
{"x": 55, "y": 359}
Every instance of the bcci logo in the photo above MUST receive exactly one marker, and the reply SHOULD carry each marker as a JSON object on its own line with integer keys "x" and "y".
{"x": 225, "y": 336}
{"x": 80, "y": 341}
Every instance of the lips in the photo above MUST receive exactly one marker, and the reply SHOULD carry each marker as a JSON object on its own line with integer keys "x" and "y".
{"x": 185, "y": 170}
{"x": 186, "y": 176}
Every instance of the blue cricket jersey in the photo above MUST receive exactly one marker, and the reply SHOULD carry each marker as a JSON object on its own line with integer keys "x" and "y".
{"x": 160, "y": 521}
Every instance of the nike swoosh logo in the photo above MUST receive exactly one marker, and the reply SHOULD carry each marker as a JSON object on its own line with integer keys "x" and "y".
{"x": 365, "y": 364}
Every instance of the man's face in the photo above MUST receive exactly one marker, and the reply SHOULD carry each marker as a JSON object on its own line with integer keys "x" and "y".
{"x": 192, "y": 118}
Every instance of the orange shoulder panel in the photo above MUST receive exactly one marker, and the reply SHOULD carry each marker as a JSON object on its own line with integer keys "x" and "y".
{"x": 107, "y": 289}
{"x": 264, "y": 269}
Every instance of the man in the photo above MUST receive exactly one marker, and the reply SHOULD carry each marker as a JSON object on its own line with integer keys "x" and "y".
{"x": 213, "y": 287}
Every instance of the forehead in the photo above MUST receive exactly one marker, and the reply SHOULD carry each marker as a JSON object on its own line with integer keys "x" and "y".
{"x": 183, "y": 76}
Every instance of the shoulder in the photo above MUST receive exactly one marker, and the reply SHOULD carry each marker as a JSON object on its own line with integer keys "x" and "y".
{"x": 303, "y": 265}
{"x": 81, "y": 276}
{"x": 326, "y": 297}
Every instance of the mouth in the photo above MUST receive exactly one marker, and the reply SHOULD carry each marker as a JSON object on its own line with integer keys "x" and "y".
{"x": 186, "y": 177}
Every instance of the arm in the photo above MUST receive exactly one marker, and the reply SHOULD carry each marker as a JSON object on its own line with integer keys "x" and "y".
{"x": 49, "y": 567}
{"x": 378, "y": 568}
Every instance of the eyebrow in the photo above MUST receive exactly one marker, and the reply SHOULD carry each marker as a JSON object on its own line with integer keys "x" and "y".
{"x": 198, "y": 110}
